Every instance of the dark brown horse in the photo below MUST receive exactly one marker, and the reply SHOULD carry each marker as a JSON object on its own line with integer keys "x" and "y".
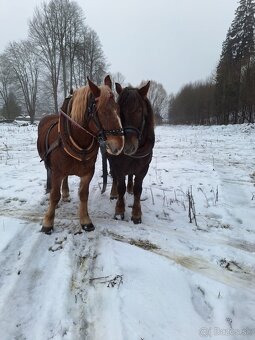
{"x": 138, "y": 124}
{"x": 69, "y": 145}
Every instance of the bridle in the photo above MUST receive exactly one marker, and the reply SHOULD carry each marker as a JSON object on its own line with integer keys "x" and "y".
{"x": 92, "y": 115}
{"x": 132, "y": 129}
{"x": 138, "y": 131}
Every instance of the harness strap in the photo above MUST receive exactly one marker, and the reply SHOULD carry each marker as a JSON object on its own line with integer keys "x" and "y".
{"x": 53, "y": 146}
{"x": 69, "y": 145}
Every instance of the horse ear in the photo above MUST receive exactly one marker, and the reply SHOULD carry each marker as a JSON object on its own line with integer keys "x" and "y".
{"x": 144, "y": 90}
{"x": 108, "y": 81}
{"x": 118, "y": 88}
{"x": 94, "y": 88}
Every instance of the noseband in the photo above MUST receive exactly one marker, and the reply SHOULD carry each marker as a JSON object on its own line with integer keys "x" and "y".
{"x": 92, "y": 115}
{"x": 138, "y": 131}
{"x": 133, "y": 129}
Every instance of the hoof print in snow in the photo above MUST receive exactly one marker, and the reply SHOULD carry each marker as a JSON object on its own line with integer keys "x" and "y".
{"x": 58, "y": 244}
{"x": 54, "y": 248}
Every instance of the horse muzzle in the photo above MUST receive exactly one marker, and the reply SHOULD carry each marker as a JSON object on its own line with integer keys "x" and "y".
{"x": 131, "y": 146}
{"x": 114, "y": 145}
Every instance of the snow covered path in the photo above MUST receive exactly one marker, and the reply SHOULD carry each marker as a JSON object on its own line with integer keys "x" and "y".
{"x": 164, "y": 279}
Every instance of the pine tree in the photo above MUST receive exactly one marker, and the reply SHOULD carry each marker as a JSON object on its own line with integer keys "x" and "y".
{"x": 234, "y": 84}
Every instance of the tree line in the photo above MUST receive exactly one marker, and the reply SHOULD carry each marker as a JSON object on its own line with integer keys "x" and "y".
{"x": 60, "y": 52}
{"x": 229, "y": 95}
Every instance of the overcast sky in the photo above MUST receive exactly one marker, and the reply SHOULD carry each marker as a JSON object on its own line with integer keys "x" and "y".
{"x": 173, "y": 42}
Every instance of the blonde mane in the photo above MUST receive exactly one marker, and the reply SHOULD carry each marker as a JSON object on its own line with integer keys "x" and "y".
{"x": 80, "y": 102}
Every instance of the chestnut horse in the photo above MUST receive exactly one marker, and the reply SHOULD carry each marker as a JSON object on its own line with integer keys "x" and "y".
{"x": 137, "y": 120}
{"x": 69, "y": 145}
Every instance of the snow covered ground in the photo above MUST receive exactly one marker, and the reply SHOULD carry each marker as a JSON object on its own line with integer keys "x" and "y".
{"x": 164, "y": 279}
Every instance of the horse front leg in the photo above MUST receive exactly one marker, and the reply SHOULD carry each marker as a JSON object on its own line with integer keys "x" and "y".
{"x": 136, "y": 209}
{"x": 85, "y": 220}
{"x": 48, "y": 220}
{"x": 120, "y": 204}
{"x": 65, "y": 190}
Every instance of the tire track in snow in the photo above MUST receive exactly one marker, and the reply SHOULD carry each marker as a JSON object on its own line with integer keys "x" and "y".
{"x": 37, "y": 281}
{"x": 238, "y": 192}
{"x": 103, "y": 292}
{"x": 235, "y": 277}
{"x": 44, "y": 292}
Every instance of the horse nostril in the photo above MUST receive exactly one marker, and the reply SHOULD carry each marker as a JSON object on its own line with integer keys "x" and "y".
{"x": 114, "y": 150}
{"x": 129, "y": 149}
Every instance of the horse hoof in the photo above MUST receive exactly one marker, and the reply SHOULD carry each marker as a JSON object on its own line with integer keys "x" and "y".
{"x": 136, "y": 220}
{"x": 88, "y": 227}
{"x": 46, "y": 230}
{"x": 113, "y": 197}
{"x": 117, "y": 216}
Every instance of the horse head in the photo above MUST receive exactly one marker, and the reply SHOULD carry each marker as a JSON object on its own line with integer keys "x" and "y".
{"x": 133, "y": 113}
{"x": 95, "y": 108}
{"x": 108, "y": 116}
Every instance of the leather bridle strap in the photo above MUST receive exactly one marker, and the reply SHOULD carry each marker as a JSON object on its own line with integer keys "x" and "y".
{"x": 138, "y": 131}
{"x": 76, "y": 124}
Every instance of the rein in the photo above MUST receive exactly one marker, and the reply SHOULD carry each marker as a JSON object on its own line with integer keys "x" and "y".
{"x": 76, "y": 124}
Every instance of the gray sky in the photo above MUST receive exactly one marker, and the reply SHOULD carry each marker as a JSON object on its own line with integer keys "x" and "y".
{"x": 173, "y": 42}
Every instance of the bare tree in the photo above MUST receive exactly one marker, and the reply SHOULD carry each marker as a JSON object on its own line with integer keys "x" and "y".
{"x": 42, "y": 30}
{"x": 25, "y": 67}
{"x": 159, "y": 100}
{"x": 118, "y": 78}
{"x": 90, "y": 61}
{"x": 68, "y": 19}
{"x": 69, "y": 50}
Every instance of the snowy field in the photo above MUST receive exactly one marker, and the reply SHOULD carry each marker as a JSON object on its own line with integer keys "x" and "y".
{"x": 166, "y": 279}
